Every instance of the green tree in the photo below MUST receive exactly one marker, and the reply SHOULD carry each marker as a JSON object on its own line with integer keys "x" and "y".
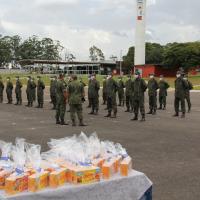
{"x": 96, "y": 54}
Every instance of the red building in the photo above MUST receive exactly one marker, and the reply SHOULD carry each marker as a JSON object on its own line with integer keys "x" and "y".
{"x": 158, "y": 70}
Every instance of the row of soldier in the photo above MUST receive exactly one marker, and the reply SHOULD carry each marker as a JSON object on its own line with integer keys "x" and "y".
{"x": 131, "y": 91}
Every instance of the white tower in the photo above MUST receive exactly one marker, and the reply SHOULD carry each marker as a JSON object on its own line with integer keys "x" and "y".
{"x": 140, "y": 33}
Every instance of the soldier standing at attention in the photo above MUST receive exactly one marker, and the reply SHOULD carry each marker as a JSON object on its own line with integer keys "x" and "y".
{"x": 187, "y": 93}
{"x": 61, "y": 100}
{"x": 152, "y": 91}
{"x": 40, "y": 92}
{"x": 89, "y": 92}
{"x": 9, "y": 88}
{"x": 128, "y": 93}
{"x": 1, "y": 90}
{"x": 180, "y": 89}
{"x": 18, "y": 91}
{"x": 163, "y": 86}
{"x": 121, "y": 91}
{"x": 104, "y": 95}
{"x": 28, "y": 91}
{"x": 94, "y": 95}
{"x": 53, "y": 91}
{"x": 139, "y": 88}
{"x": 111, "y": 90}
{"x": 34, "y": 86}
{"x": 76, "y": 96}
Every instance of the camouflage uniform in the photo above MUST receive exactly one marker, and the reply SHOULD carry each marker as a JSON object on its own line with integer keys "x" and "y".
{"x": 18, "y": 92}
{"x": 33, "y": 90}
{"x": 152, "y": 91}
{"x": 111, "y": 90}
{"x": 40, "y": 93}
{"x": 89, "y": 94}
{"x": 9, "y": 88}
{"x": 28, "y": 92}
{"x": 104, "y": 95}
{"x": 187, "y": 94}
{"x": 1, "y": 90}
{"x": 53, "y": 92}
{"x": 121, "y": 92}
{"x": 163, "y": 86}
{"x": 75, "y": 96}
{"x": 129, "y": 95}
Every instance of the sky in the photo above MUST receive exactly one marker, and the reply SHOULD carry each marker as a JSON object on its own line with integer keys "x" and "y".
{"x": 107, "y": 24}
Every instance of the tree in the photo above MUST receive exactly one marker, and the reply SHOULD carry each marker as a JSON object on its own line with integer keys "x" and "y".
{"x": 96, "y": 54}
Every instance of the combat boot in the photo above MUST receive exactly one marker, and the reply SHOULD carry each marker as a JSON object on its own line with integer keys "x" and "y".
{"x": 154, "y": 112}
{"x": 143, "y": 118}
{"x": 63, "y": 123}
{"x": 176, "y": 115}
{"x": 135, "y": 118}
{"x": 81, "y": 123}
{"x": 160, "y": 108}
{"x": 108, "y": 115}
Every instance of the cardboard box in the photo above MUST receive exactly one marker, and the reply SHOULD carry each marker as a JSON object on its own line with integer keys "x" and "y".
{"x": 38, "y": 181}
{"x": 58, "y": 178}
{"x": 109, "y": 169}
{"x": 16, "y": 183}
{"x": 126, "y": 166}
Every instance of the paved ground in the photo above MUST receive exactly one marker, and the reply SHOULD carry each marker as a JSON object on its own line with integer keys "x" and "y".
{"x": 164, "y": 148}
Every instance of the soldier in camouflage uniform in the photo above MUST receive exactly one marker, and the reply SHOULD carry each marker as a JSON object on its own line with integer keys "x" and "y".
{"x": 61, "y": 100}
{"x": 34, "y": 87}
{"x": 104, "y": 95}
{"x": 18, "y": 91}
{"x": 121, "y": 91}
{"x": 76, "y": 96}
{"x": 9, "y": 89}
{"x": 187, "y": 93}
{"x": 40, "y": 92}
{"x": 163, "y": 86}
{"x": 152, "y": 92}
{"x": 28, "y": 92}
{"x": 111, "y": 90}
{"x": 180, "y": 89}
{"x": 53, "y": 91}
{"x": 139, "y": 87}
{"x": 1, "y": 90}
{"x": 94, "y": 95}
{"x": 129, "y": 99}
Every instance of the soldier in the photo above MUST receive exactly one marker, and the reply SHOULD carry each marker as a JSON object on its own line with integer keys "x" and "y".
{"x": 40, "y": 92}
{"x": 28, "y": 91}
{"x": 18, "y": 91}
{"x": 180, "y": 89}
{"x": 76, "y": 96}
{"x": 61, "y": 100}
{"x": 9, "y": 88}
{"x": 152, "y": 91}
{"x": 163, "y": 86}
{"x": 34, "y": 86}
{"x": 111, "y": 90}
{"x": 121, "y": 91}
{"x": 139, "y": 87}
{"x": 94, "y": 95}
{"x": 53, "y": 91}
{"x": 187, "y": 93}
{"x": 89, "y": 93}
{"x": 1, "y": 90}
{"x": 104, "y": 95}
{"x": 128, "y": 94}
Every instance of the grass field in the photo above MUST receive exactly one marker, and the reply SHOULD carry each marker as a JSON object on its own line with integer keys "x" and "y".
{"x": 46, "y": 78}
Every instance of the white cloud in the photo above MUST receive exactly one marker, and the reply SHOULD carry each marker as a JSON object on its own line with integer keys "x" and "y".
{"x": 47, "y": 2}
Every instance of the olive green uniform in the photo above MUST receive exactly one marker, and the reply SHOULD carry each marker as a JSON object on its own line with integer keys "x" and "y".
{"x": 187, "y": 94}
{"x": 60, "y": 100}
{"x": 33, "y": 90}
{"x": 111, "y": 90}
{"x": 75, "y": 95}
{"x": 94, "y": 95}
{"x": 53, "y": 92}
{"x": 152, "y": 92}
{"x": 129, "y": 95}
{"x": 89, "y": 94}
{"x": 28, "y": 93}
{"x": 163, "y": 86}
{"x": 9, "y": 89}
{"x": 40, "y": 93}
{"x": 104, "y": 94}
{"x": 1, "y": 91}
{"x": 121, "y": 92}
{"x": 180, "y": 89}
{"x": 18, "y": 92}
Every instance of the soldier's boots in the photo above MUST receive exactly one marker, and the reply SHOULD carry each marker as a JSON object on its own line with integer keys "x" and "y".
{"x": 63, "y": 123}
{"x": 92, "y": 112}
{"x": 73, "y": 122}
{"x": 108, "y": 115}
{"x": 135, "y": 118}
{"x": 176, "y": 115}
{"x": 143, "y": 118}
{"x": 81, "y": 123}
{"x": 96, "y": 112}
{"x": 154, "y": 112}
{"x": 160, "y": 108}
{"x": 17, "y": 103}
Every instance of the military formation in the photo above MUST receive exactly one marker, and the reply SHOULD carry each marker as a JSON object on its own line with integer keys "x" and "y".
{"x": 129, "y": 93}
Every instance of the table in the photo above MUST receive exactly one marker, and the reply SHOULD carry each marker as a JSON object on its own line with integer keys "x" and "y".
{"x": 134, "y": 187}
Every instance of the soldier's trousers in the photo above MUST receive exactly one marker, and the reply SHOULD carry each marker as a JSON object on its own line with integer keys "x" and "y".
{"x": 129, "y": 103}
{"x": 1, "y": 97}
{"x": 95, "y": 104}
{"x": 112, "y": 105}
{"x": 60, "y": 111}
{"x": 139, "y": 104}
{"x": 153, "y": 102}
{"x": 40, "y": 99}
{"x": 177, "y": 101}
{"x": 19, "y": 97}
{"x": 76, "y": 109}
{"x": 53, "y": 99}
{"x": 121, "y": 98}
{"x": 187, "y": 98}
{"x": 104, "y": 97}
{"x": 162, "y": 101}
{"x": 9, "y": 97}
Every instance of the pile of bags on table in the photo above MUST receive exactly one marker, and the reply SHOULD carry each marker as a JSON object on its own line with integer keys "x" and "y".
{"x": 75, "y": 160}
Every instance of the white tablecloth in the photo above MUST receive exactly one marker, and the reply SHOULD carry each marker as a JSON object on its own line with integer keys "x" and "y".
{"x": 118, "y": 188}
